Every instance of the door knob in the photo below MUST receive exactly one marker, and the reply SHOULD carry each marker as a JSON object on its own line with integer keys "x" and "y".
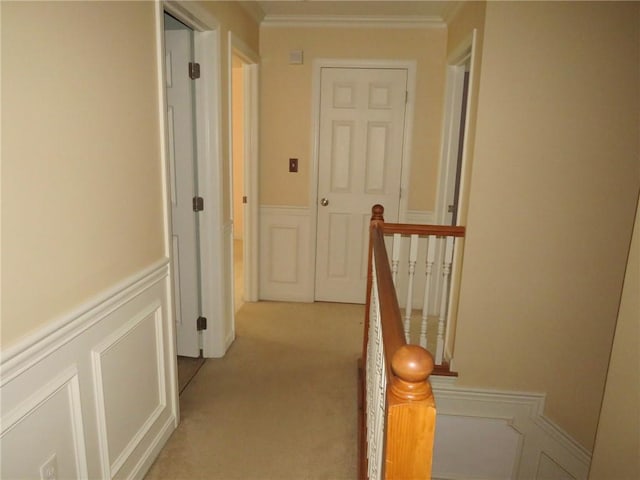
{"x": 324, "y": 202}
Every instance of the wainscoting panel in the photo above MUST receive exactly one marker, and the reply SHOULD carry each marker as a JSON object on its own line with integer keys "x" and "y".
{"x": 47, "y": 423}
{"x": 495, "y": 435}
{"x": 93, "y": 395}
{"x": 286, "y": 256}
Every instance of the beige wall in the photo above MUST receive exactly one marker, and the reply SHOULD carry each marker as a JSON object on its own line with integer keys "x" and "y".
{"x": 286, "y": 92}
{"x": 617, "y": 449}
{"x": 81, "y": 170}
{"x": 555, "y": 179}
{"x": 237, "y": 118}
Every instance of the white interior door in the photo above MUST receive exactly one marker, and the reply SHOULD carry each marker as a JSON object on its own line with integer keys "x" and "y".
{"x": 183, "y": 185}
{"x": 362, "y": 114}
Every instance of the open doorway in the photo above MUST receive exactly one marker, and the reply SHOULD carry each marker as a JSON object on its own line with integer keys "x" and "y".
{"x": 243, "y": 141}
{"x": 183, "y": 188}
{"x": 451, "y": 182}
{"x": 452, "y": 197}
{"x": 239, "y": 193}
{"x": 453, "y": 144}
{"x": 214, "y": 325}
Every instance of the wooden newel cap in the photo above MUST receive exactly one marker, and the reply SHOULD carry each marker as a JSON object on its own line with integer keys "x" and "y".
{"x": 377, "y": 212}
{"x": 412, "y": 365}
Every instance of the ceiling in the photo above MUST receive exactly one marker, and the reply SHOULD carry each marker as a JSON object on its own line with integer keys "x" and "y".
{"x": 423, "y": 9}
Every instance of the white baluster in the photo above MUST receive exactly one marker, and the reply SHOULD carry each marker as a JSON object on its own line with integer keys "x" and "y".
{"x": 395, "y": 257}
{"x": 431, "y": 255}
{"x": 446, "y": 272}
{"x": 413, "y": 257}
{"x": 376, "y": 386}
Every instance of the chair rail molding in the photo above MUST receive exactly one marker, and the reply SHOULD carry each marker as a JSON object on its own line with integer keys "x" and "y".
{"x": 65, "y": 385}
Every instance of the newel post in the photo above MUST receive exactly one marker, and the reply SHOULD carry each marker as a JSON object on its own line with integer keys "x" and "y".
{"x": 411, "y": 415}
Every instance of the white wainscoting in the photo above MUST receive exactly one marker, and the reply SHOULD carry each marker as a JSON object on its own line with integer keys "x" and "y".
{"x": 286, "y": 254}
{"x": 495, "y": 435}
{"x": 95, "y": 388}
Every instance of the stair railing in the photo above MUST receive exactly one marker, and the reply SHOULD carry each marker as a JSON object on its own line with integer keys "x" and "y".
{"x": 422, "y": 267}
{"x": 396, "y": 406}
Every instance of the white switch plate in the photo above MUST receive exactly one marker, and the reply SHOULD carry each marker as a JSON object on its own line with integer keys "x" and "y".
{"x": 296, "y": 57}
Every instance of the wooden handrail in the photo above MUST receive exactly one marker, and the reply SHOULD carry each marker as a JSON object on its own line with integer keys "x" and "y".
{"x": 423, "y": 230}
{"x": 409, "y": 418}
{"x": 392, "y": 329}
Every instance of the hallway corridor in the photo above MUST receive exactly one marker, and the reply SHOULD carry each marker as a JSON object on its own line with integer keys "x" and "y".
{"x": 280, "y": 405}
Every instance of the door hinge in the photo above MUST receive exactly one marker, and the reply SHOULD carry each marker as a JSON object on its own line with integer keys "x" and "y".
{"x": 194, "y": 70}
{"x": 244, "y": 199}
{"x": 198, "y": 204}
{"x": 201, "y": 323}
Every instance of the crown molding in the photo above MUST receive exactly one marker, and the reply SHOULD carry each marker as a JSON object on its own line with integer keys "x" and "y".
{"x": 353, "y": 21}
{"x": 453, "y": 12}
{"x": 253, "y": 9}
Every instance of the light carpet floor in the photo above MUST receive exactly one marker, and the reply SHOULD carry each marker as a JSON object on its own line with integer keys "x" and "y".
{"x": 280, "y": 405}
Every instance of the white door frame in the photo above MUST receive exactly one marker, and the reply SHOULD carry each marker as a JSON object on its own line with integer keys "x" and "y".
{"x": 250, "y": 68}
{"x": 208, "y": 94}
{"x": 465, "y": 52}
{"x": 318, "y": 65}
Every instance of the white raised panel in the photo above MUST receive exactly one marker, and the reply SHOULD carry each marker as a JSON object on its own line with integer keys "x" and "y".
{"x": 376, "y": 160}
{"x": 343, "y": 95}
{"x": 131, "y": 394}
{"x": 286, "y": 260}
{"x": 475, "y": 447}
{"x": 175, "y": 245}
{"x": 364, "y": 235}
{"x": 341, "y": 150}
{"x": 173, "y": 186}
{"x": 338, "y": 242}
{"x": 380, "y": 96}
{"x": 284, "y": 248}
{"x": 49, "y": 422}
{"x": 492, "y": 434}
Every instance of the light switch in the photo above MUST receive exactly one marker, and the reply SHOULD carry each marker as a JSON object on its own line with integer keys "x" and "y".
{"x": 293, "y": 165}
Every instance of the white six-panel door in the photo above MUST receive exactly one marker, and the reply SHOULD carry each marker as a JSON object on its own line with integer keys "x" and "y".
{"x": 181, "y": 126}
{"x": 362, "y": 114}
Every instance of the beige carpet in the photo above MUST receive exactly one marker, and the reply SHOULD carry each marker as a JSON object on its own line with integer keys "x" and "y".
{"x": 280, "y": 405}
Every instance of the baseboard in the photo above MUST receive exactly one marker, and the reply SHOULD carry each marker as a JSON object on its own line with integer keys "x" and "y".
{"x": 67, "y": 385}
{"x": 153, "y": 450}
{"x": 286, "y": 256}
{"x": 492, "y": 434}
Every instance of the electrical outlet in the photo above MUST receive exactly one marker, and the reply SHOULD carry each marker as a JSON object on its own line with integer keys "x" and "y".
{"x": 49, "y": 469}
